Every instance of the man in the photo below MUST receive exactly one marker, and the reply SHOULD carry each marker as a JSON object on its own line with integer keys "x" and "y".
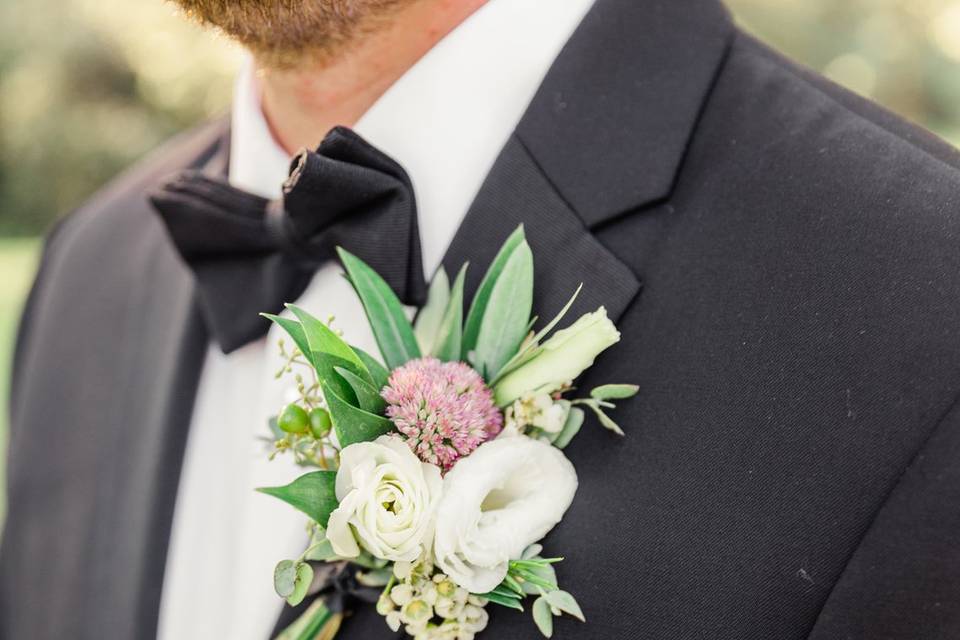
{"x": 791, "y": 467}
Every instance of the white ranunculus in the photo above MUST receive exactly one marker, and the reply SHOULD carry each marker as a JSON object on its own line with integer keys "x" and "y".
{"x": 387, "y": 501}
{"x": 564, "y": 356}
{"x": 496, "y": 502}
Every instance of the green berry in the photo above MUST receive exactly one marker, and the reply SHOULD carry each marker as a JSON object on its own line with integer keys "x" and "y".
{"x": 319, "y": 422}
{"x": 293, "y": 419}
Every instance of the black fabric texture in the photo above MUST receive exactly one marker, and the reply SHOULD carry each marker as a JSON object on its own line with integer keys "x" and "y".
{"x": 251, "y": 255}
{"x": 790, "y": 465}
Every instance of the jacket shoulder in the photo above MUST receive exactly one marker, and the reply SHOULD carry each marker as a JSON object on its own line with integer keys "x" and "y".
{"x": 119, "y": 200}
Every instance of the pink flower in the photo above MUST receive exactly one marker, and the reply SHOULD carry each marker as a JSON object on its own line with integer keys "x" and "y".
{"x": 443, "y": 408}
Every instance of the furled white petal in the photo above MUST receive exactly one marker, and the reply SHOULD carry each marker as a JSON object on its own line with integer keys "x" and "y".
{"x": 496, "y": 502}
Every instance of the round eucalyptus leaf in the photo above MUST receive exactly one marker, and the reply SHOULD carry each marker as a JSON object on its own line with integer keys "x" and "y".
{"x": 301, "y": 583}
{"x": 284, "y": 578}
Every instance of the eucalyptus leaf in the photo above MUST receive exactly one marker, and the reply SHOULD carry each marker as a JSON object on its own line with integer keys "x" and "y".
{"x": 543, "y": 617}
{"x": 450, "y": 334}
{"x": 367, "y": 395}
{"x": 507, "y": 314}
{"x": 378, "y": 372}
{"x": 570, "y": 428}
{"x": 471, "y": 329}
{"x": 284, "y": 578}
{"x": 605, "y": 420}
{"x": 351, "y": 423}
{"x": 427, "y": 326}
{"x": 301, "y": 584}
{"x": 312, "y": 493}
{"x": 566, "y": 603}
{"x": 390, "y": 325}
{"x": 614, "y": 391}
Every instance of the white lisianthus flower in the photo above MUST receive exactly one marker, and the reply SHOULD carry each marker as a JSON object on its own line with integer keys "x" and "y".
{"x": 496, "y": 502}
{"x": 564, "y": 356}
{"x": 387, "y": 501}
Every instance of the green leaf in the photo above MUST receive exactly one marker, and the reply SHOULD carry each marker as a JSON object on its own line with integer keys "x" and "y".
{"x": 546, "y": 574}
{"x": 312, "y": 493}
{"x": 570, "y": 428}
{"x": 295, "y": 330}
{"x": 450, "y": 336}
{"x": 543, "y": 616}
{"x": 284, "y": 578}
{"x": 566, "y": 603}
{"x": 321, "y": 552}
{"x": 532, "y": 347}
{"x": 390, "y": 326}
{"x": 508, "y": 592}
{"x": 478, "y": 307}
{"x": 505, "y": 319}
{"x": 353, "y": 424}
{"x": 304, "y": 576}
{"x": 605, "y": 420}
{"x": 614, "y": 391}
{"x": 367, "y": 395}
{"x": 323, "y": 339}
{"x": 503, "y": 601}
{"x": 378, "y": 372}
{"x": 427, "y": 326}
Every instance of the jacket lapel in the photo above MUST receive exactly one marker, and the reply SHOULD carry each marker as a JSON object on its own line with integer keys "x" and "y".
{"x": 565, "y": 252}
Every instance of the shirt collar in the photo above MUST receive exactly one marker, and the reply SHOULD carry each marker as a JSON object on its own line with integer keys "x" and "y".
{"x": 445, "y": 120}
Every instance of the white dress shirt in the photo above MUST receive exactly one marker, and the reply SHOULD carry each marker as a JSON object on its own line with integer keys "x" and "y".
{"x": 445, "y": 121}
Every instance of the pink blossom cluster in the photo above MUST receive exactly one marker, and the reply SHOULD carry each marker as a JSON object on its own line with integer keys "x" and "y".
{"x": 443, "y": 408}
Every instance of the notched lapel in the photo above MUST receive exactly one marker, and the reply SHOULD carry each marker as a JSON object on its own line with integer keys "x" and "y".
{"x": 565, "y": 252}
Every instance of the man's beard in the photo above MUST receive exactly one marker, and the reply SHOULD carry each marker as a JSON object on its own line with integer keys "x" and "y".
{"x": 287, "y": 32}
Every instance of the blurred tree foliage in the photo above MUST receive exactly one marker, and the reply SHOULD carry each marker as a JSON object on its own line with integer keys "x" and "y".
{"x": 88, "y": 86}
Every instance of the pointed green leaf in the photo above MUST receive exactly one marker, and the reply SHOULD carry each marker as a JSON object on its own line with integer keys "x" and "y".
{"x": 614, "y": 391}
{"x": 532, "y": 347}
{"x": 293, "y": 328}
{"x": 471, "y": 329}
{"x": 570, "y": 428}
{"x": 428, "y": 321}
{"x": 390, "y": 325}
{"x": 503, "y": 601}
{"x": 605, "y": 420}
{"x": 566, "y": 603}
{"x": 543, "y": 616}
{"x": 505, "y": 319}
{"x": 321, "y": 338}
{"x": 312, "y": 493}
{"x": 367, "y": 395}
{"x": 450, "y": 335}
{"x": 546, "y": 575}
{"x": 353, "y": 424}
{"x": 377, "y": 371}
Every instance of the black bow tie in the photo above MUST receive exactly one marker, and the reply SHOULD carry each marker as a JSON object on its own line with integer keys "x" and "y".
{"x": 250, "y": 254}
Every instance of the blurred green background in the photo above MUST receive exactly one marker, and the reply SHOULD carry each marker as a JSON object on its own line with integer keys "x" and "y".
{"x": 88, "y": 86}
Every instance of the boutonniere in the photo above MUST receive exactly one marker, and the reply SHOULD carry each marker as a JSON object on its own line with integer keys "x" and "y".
{"x": 437, "y": 471}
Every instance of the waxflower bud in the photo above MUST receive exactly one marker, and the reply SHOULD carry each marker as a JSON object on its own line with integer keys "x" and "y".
{"x": 319, "y": 422}
{"x": 293, "y": 419}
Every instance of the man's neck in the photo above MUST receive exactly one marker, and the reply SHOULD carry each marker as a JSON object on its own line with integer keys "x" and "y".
{"x": 302, "y": 105}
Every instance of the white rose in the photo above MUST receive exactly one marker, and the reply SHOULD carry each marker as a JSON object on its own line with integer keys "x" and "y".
{"x": 496, "y": 502}
{"x": 387, "y": 501}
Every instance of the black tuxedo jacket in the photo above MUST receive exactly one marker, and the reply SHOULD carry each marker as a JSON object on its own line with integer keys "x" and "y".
{"x": 791, "y": 468}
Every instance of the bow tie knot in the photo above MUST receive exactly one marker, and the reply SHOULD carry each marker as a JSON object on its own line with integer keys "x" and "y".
{"x": 250, "y": 254}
